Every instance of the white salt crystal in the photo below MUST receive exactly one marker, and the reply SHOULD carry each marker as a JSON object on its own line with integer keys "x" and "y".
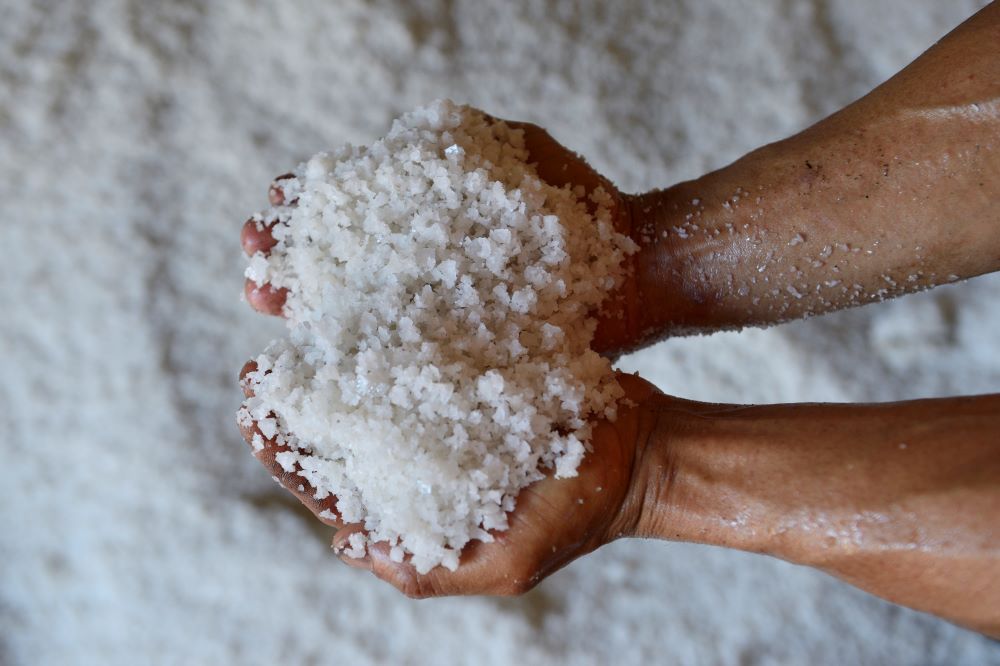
{"x": 268, "y": 426}
{"x": 287, "y": 460}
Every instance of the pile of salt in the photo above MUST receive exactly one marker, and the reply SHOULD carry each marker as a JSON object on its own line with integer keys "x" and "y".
{"x": 440, "y": 302}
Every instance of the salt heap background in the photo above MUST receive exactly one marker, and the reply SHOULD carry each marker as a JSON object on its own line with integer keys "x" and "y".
{"x": 134, "y": 139}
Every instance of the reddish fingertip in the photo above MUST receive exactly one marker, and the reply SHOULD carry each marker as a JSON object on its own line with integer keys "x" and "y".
{"x": 265, "y": 298}
{"x": 247, "y": 368}
{"x": 275, "y": 194}
{"x": 256, "y": 237}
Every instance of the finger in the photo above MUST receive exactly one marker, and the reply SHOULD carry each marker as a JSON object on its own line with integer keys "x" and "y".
{"x": 268, "y": 453}
{"x": 556, "y": 164}
{"x": 556, "y": 520}
{"x": 248, "y": 367}
{"x": 560, "y": 167}
{"x": 255, "y": 236}
{"x": 342, "y": 545}
{"x": 265, "y": 298}
{"x": 276, "y": 194}
{"x": 514, "y": 562}
{"x": 496, "y": 568}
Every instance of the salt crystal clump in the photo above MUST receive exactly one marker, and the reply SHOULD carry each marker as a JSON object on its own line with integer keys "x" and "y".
{"x": 440, "y": 301}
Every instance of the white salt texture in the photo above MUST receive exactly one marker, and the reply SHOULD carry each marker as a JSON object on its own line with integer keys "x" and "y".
{"x": 440, "y": 300}
{"x": 134, "y": 528}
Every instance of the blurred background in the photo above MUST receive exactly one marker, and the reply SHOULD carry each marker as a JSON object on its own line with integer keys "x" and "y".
{"x": 135, "y": 138}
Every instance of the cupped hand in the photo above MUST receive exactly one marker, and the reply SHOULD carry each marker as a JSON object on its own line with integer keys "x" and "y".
{"x": 617, "y": 321}
{"x": 555, "y": 520}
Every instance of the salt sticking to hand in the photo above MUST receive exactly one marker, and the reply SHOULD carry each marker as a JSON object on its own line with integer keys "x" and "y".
{"x": 440, "y": 302}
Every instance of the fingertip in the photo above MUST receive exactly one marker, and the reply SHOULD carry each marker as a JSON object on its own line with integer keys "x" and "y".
{"x": 255, "y": 236}
{"x": 275, "y": 193}
{"x": 265, "y": 298}
{"x": 247, "y": 368}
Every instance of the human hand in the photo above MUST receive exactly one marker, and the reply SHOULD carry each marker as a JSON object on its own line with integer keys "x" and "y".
{"x": 555, "y": 521}
{"x": 618, "y": 321}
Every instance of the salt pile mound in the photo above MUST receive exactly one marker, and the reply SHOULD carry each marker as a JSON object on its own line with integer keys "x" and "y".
{"x": 441, "y": 303}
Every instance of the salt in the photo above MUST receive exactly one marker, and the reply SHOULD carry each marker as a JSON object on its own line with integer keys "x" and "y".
{"x": 432, "y": 373}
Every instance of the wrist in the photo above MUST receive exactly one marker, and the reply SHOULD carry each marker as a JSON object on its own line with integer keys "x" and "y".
{"x": 713, "y": 250}
{"x": 729, "y": 475}
{"x": 680, "y": 490}
{"x": 675, "y": 271}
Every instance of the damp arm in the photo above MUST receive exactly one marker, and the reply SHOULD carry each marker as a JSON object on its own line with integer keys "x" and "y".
{"x": 897, "y": 192}
{"x": 900, "y": 500}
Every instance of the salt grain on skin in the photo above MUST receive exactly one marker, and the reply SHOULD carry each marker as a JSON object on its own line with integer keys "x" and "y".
{"x": 439, "y": 300}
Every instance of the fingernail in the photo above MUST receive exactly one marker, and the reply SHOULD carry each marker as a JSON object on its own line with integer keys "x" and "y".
{"x": 248, "y": 367}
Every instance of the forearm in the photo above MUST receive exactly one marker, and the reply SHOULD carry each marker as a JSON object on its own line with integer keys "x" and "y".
{"x": 898, "y": 192}
{"x": 901, "y": 500}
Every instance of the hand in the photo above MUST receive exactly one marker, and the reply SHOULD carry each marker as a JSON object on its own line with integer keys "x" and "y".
{"x": 555, "y": 521}
{"x": 618, "y": 323}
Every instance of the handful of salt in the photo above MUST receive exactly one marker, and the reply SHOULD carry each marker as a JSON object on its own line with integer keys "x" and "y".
{"x": 440, "y": 305}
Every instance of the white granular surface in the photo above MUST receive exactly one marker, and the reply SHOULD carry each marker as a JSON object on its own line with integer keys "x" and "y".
{"x": 134, "y": 135}
{"x": 441, "y": 300}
